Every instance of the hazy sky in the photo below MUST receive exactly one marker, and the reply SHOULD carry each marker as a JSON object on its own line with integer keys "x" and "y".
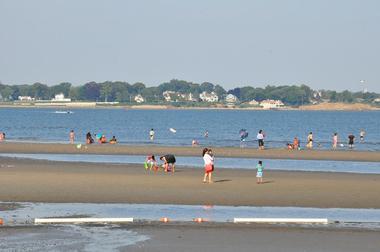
{"x": 331, "y": 44}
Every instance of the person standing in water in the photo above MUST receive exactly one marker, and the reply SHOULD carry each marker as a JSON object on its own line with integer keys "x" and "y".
{"x": 72, "y": 136}
{"x": 151, "y": 134}
{"x": 260, "y": 139}
{"x": 309, "y": 144}
{"x": 206, "y": 134}
{"x": 335, "y": 141}
{"x": 208, "y": 158}
{"x": 351, "y": 139}
{"x": 362, "y": 134}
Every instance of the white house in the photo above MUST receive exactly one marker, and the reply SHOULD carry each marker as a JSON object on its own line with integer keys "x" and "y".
{"x": 167, "y": 95}
{"x": 60, "y": 98}
{"x": 208, "y": 97}
{"x": 25, "y": 98}
{"x": 139, "y": 99}
{"x": 254, "y": 103}
{"x": 231, "y": 99}
{"x": 377, "y": 100}
{"x": 271, "y": 104}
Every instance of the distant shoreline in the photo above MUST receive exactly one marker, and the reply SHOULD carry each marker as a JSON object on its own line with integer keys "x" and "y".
{"x": 91, "y": 105}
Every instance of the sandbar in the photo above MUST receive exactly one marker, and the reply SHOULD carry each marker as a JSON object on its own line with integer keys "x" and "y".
{"x": 23, "y": 180}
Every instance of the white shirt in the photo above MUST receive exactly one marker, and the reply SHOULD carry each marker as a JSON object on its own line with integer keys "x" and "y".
{"x": 208, "y": 159}
{"x": 260, "y": 136}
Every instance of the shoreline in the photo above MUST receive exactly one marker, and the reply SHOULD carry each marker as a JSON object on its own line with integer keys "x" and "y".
{"x": 337, "y": 107}
{"x": 23, "y": 180}
{"x": 229, "y": 152}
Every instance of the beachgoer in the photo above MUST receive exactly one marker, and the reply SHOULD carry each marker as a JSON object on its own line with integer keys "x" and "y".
{"x": 309, "y": 144}
{"x": 335, "y": 141}
{"x": 72, "y": 136}
{"x": 150, "y": 162}
{"x": 289, "y": 146}
{"x": 243, "y": 135}
{"x": 151, "y": 134}
{"x": 208, "y": 158}
{"x": 194, "y": 142}
{"x": 362, "y": 134}
{"x": 113, "y": 140}
{"x": 296, "y": 143}
{"x": 168, "y": 159}
{"x": 89, "y": 139}
{"x": 260, "y": 172}
{"x": 2, "y": 136}
{"x": 260, "y": 139}
{"x": 351, "y": 139}
{"x": 102, "y": 139}
{"x": 206, "y": 134}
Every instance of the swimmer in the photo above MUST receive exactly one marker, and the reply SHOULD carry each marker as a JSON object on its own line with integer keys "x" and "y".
{"x": 113, "y": 140}
{"x": 194, "y": 142}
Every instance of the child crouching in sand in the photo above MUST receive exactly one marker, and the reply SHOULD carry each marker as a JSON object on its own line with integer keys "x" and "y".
{"x": 260, "y": 171}
{"x": 150, "y": 163}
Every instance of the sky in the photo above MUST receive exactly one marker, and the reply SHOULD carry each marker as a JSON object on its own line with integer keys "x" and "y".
{"x": 326, "y": 44}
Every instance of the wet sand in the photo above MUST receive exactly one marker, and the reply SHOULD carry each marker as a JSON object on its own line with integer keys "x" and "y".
{"x": 252, "y": 238}
{"x": 11, "y": 147}
{"x": 46, "y": 181}
{"x": 199, "y": 237}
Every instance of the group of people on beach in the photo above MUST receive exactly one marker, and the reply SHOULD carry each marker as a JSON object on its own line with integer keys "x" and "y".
{"x": 101, "y": 138}
{"x": 309, "y": 145}
{"x": 168, "y": 165}
{"x": 169, "y": 161}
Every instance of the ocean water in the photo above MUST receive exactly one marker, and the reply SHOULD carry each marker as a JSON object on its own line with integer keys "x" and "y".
{"x": 132, "y": 126}
{"x": 241, "y": 163}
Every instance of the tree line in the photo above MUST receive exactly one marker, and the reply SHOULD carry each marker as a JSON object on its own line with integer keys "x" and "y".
{"x": 123, "y": 92}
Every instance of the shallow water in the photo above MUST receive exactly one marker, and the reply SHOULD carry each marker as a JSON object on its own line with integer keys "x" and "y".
{"x": 364, "y": 218}
{"x": 242, "y": 163}
{"x": 132, "y": 126}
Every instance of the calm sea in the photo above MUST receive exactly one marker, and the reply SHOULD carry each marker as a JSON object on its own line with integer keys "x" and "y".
{"x": 132, "y": 126}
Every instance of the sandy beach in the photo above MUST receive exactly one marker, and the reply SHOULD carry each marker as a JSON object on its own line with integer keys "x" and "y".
{"x": 45, "y": 181}
{"x": 220, "y": 238}
{"x": 189, "y": 237}
{"x": 54, "y": 148}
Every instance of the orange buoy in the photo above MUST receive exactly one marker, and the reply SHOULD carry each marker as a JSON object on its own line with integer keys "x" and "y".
{"x": 1, "y": 221}
{"x": 165, "y": 219}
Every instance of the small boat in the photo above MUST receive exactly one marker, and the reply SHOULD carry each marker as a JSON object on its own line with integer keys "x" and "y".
{"x": 64, "y": 112}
